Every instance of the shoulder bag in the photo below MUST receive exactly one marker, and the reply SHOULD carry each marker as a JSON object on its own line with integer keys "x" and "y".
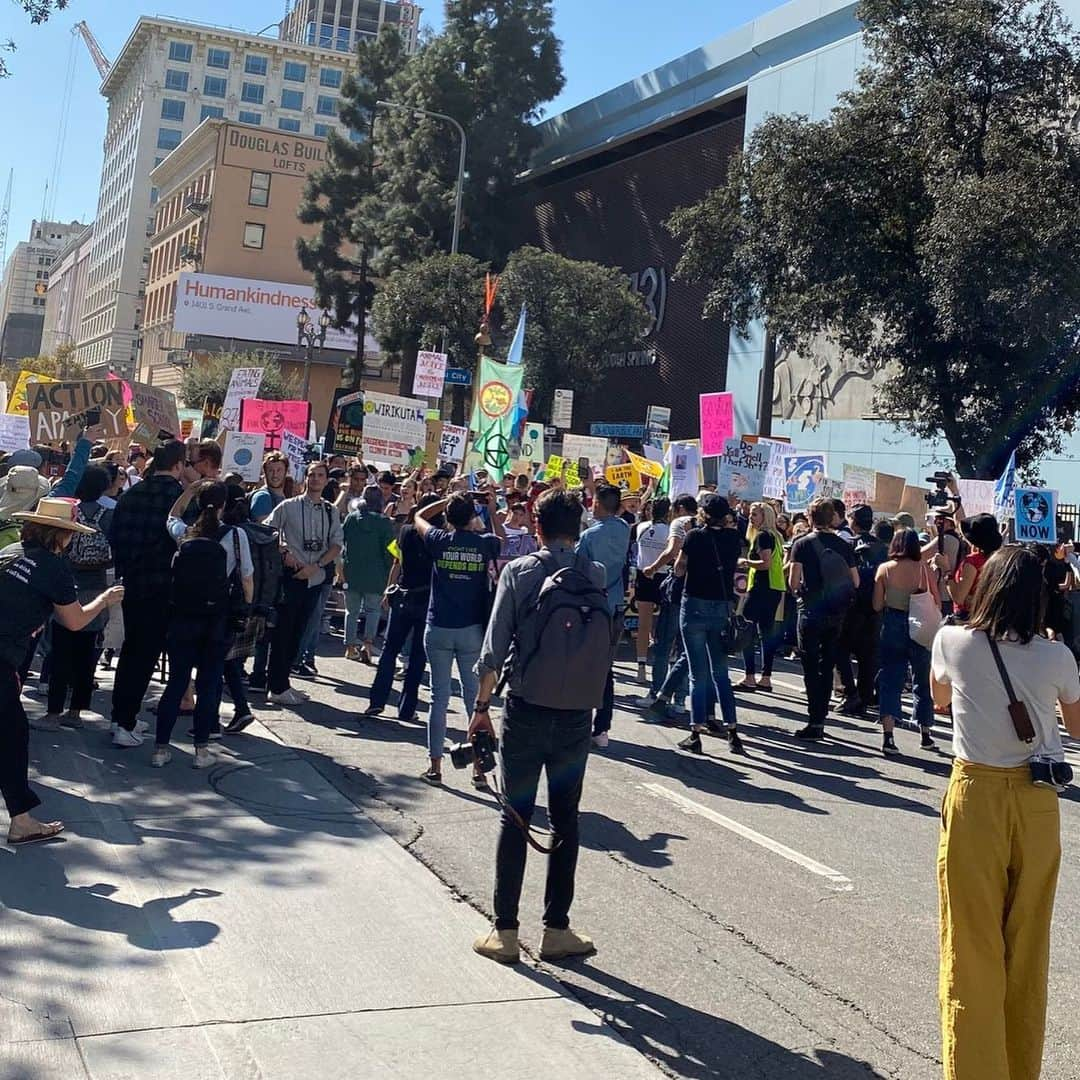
{"x": 924, "y": 613}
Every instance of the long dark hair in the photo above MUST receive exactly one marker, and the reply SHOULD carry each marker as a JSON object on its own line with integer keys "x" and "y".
{"x": 1010, "y": 595}
{"x": 211, "y": 498}
{"x": 905, "y": 545}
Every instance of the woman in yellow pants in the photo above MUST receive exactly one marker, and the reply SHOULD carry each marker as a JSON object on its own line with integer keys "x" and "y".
{"x": 1000, "y": 838}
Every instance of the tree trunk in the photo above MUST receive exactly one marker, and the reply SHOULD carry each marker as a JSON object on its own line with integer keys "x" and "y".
{"x": 354, "y": 371}
{"x": 408, "y": 368}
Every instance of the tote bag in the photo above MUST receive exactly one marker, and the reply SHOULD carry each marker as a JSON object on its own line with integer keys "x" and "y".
{"x": 924, "y": 615}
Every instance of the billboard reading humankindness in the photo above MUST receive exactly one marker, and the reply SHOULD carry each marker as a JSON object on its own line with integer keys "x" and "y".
{"x": 248, "y": 310}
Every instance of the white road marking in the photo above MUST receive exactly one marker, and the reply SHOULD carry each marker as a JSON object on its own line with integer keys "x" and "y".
{"x": 688, "y": 806}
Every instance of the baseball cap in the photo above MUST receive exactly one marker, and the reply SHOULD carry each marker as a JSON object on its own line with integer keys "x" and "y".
{"x": 862, "y": 515}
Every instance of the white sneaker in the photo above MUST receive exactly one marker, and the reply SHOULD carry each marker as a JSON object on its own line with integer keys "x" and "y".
{"x": 600, "y": 741}
{"x": 646, "y": 702}
{"x": 161, "y": 757}
{"x": 289, "y": 697}
{"x": 127, "y": 739}
{"x": 203, "y": 758}
{"x": 142, "y": 726}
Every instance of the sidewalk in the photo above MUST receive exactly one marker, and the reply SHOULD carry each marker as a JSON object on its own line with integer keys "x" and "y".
{"x": 250, "y": 922}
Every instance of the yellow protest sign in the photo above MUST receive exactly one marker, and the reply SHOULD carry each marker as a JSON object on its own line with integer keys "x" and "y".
{"x": 554, "y": 467}
{"x": 570, "y": 474}
{"x": 622, "y": 476}
{"x": 17, "y": 401}
{"x": 645, "y": 466}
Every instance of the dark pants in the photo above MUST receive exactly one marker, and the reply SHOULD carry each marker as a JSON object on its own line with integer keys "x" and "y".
{"x": 862, "y": 631}
{"x": 602, "y": 720}
{"x": 261, "y": 660}
{"x": 234, "y": 680}
{"x": 535, "y": 738}
{"x": 818, "y": 642}
{"x": 73, "y": 659}
{"x": 146, "y": 623}
{"x": 404, "y": 619}
{"x": 15, "y": 747}
{"x": 761, "y": 611}
{"x": 199, "y": 645}
{"x": 293, "y": 613}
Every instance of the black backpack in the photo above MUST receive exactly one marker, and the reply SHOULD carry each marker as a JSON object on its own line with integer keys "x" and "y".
{"x": 837, "y": 589}
{"x": 565, "y": 643}
{"x": 269, "y": 569}
{"x": 199, "y": 584}
{"x": 869, "y": 555}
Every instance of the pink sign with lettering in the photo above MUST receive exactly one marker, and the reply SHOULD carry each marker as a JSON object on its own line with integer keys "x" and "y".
{"x": 271, "y": 418}
{"x": 717, "y": 422}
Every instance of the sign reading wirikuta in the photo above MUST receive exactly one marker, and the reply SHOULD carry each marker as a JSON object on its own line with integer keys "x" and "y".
{"x": 395, "y": 429}
{"x": 60, "y": 410}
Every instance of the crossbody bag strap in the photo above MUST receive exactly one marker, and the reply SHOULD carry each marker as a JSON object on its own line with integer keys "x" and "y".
{"x": 1018, "y": 713}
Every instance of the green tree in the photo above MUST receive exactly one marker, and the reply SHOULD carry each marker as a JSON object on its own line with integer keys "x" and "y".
{"x": 578, "y": 314}
{"x": 61, "y": 365}
{"x": 39, "y": 12}
{"x": 210, "y": 379}
{"x": 342, "y": 199}
{"x": 931, "y": 224}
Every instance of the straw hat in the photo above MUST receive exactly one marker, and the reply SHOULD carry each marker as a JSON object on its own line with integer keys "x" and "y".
{"x": 56, "y": 514}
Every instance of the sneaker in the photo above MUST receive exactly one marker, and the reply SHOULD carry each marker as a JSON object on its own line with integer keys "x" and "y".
{"x": 400, "y": 669}
{"x": 374, "y": 710}
{"x": 127, "y": 740}
{"x": 47, "y": 722}
{"x": 889, "y": 747}
{"x": 692, "y": 742}
{"x": 72, "y": 720}
{"x": 499, "y": 945}
{"x": 642, "y": 678}
{"x": 304, "y": 671}
{"x": 352, "y": 652}
{"x": 646, "y": 702}
{"x": 161, "y": 757}
{"x": 141, "y": 727}
{"x": 852, "y": 707}
{"x": 559, "y": 944}
{"x": 203, "y": 758}
{"x": 239, "y": 724}
{"x": 810, "y": 733}
{"x": 658, "y": 712}
{"x": 600, "y": 741}
{"x": 927, "y": 740}
{"x": 289, "y": 697}
{"x": 735, "y": 743}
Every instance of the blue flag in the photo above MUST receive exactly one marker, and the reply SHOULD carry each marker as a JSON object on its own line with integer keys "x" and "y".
{"x": 1005, "y": 491}
{"x": 517, "y": 347}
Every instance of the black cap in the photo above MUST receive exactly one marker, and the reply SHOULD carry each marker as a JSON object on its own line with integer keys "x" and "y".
{"x": 715, "y": 507}
{"x": 862, "y": 516}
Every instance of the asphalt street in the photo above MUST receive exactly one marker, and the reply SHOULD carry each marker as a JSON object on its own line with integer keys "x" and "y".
{"x": 769, "y": 915}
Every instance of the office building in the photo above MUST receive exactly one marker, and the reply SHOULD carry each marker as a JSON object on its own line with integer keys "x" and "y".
{"x": 67, "y": 286}
{"x": 342, "y": 24}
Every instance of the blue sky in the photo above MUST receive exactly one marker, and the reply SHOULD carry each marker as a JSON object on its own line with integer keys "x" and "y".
{"x": 605, "y": 42}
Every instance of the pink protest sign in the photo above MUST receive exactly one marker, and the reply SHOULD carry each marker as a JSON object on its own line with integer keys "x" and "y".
{"x": 271, "y": 418}
{"x": 717, "y": 422}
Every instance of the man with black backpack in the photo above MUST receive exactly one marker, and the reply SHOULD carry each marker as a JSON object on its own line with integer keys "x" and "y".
{"x": 824, "y": 580}
{"x": 551, "y": 637}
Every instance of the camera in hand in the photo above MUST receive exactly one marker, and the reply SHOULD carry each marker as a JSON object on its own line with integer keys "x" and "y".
{"x": 939, "y": 496}
{"x": 1046, "y": 772}
{"x": 480, "y": 751}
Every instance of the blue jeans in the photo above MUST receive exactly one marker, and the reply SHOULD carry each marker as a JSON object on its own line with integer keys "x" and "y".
{"x": 444, "y": 645}
{"x": 198, "y": 644}
{"x": 703, "y": 623}
{"x": 365, "y": 606}
{"x": 406, "y": 621}
{"x": 898, "y": 652}
{"x": 666, "y": 630}
{"x": 309, "y": 639}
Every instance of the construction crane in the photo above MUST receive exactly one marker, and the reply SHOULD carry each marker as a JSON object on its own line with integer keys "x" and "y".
{"x": 100, "y": 61}
{"x": 5, "y": 214}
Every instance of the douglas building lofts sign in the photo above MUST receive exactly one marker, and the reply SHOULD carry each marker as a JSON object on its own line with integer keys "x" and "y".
{"x": 247, "y": 148}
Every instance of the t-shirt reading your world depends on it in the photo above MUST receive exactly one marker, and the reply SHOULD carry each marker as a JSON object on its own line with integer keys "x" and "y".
{"x": 460, "y": 585}
{"x": 31, "y": 582}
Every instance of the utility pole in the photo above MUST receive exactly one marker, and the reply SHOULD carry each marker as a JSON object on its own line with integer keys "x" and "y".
{"x": 767, "y": 386}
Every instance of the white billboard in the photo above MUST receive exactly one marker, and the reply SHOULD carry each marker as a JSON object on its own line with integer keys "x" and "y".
{"x": 249, "y": 310}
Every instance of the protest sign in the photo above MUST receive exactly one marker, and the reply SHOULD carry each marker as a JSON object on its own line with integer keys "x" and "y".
{"x": 493, "y": 418}
{"x": 211, "y": 420}
{"x": 622, "y": 476}
{"x": 1036, "y": 515}
{"x": 532, "y": 447}
{"x": 295, "y": 448}
{"x": 773, "y": 487}
{"x": 394, "y": 428}
{"x": 430, "y": 374}
{"x": 831, "y": 489}
{"x": 684, "y": 462}
{"x": 243, "y": 454}
{"x": 190, "y": 422}
{"x": 243, "y": 383}
{"x": 554, "y": 467}
{"x": 585, "y": 446}
{"x": 717, "y": 413}
{"x": 913, "y": 502}
{"x": 59, "y": 410}
{"x": 570, "y": 474}
{"x": 345, "y": 427}
{"x": 432, "y": 442}
{"x": 888, "y": 492}
{"x": 14, "y": 433}
{"x": 646, "y": 467}
{"x": 858, "y": 486}
{"x": 803, "y": 477}
{"x": 562, "y": 409}
{"x": 271, "y": 418}
{"x": 17, "y": 399}
{"x": 976, "y": 496}
{"x": 452, "y": 442}
{"x": 155, "y": 410}
{"x": 741, "y": 469}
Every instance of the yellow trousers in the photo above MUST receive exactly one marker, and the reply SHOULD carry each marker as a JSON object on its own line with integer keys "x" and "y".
{"x": 997, "y": 874}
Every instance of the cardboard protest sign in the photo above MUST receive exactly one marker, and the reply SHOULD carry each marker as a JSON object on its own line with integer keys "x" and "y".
{"x": 804, "y": 475}
{"x": 717, "y": 422}
{"x": 432, "y": 442}
{"x": 243, "y": 383}
{"x": 532, "y": 447}
{"x": 914, "y": 502}
{"x": 888, "y": 492}
{"x": 395, "y": 428}
{"x": 14, "y": 433}
{"x": 430, "y": 374}
{"x": 155, "y": 410}
{"x": 452, "y": 442}
{"x": 17, "y": 399}
{"x": 1036, "y": 515}
{"x": 271, "y": 418}
{"x": 345, "y": 426}
{"x": 295, "y": 449}
{"x": 243, "y": 454}
{"x": 585, "y": 446}
{"x": 858, "y": 486}
{"x": 741, "y": 469}
{"x": 59, "y": 410}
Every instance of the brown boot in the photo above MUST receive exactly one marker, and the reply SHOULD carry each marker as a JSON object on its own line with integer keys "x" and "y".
{"x": 559, "y": 944}
{"x": 499, "y": 945}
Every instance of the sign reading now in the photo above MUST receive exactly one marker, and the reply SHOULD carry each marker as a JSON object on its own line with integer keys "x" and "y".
{"x": 248, "y": 310}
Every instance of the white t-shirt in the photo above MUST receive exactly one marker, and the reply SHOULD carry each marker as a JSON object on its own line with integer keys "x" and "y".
{"x": 682, "y": 525}
{"x": 651, "y": 542}
{"x": 1042, "y": 673}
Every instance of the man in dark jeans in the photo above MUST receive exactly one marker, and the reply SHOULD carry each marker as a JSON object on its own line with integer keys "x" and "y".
{"x": 533, "y": 738}
{"x": 142, "y": 554}
{"x": 819, "y": 622}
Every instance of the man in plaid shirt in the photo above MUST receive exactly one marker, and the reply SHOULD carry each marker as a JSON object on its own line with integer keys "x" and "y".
{"x": 142, "y": 553}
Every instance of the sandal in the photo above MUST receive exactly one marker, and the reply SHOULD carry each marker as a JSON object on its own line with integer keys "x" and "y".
{"x": 46, "y": 831}
{"x": 745, "y": 686}
{"x": 431, "y": 776}
{"x": 765, "y": 689}
{"x": 480, "y": 782}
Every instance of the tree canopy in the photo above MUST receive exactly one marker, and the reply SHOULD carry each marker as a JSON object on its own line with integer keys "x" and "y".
{"x": 210, "y": 379}
{"x": 39, "y": 12}
{"x": 931, "y": 224}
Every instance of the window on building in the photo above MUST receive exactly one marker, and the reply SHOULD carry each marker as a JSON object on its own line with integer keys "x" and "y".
{"x": 330, "y": 77}
{"x": 295, "y": 72}
{"x": 326, "y": 106}
{"x": 180, "y": 52}
{"x": 252, "y": 93}
{"x": 176, "y": 80}
{"x": 292, "y": 99}
{"x": 158, "y": 161}
{"x": 254, "y": 234}
{"x": 215, "y": 112}
{"x": 171, "y": 109}
{"x": 255, "y": 65}
{"x": 322, "y": 130}
{"x": 217, "y": 58}
{"x": 169, "y": 138}
{"x": 288, "y": 123}
{"x": 246, "y": 117}
{"x": 154, "y": 196}
{"x": 259, "y": 192}
{"x": 215, "y": 86}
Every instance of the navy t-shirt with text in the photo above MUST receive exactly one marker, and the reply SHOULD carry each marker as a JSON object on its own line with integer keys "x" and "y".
{"x": 460, "y": 583}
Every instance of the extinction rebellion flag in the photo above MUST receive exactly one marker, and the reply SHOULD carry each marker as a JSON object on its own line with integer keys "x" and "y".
{"x": 498, "y": 389}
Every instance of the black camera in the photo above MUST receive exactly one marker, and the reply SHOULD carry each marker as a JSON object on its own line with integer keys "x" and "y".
{"x": 480, "y": 751}
{"x": 1045, "y": 772}
{"x": 938, "y": 497}
{"x": 313, "y": 545}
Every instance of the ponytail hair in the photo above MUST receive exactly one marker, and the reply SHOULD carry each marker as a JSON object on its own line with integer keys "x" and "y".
{"x": 211, "y": 500}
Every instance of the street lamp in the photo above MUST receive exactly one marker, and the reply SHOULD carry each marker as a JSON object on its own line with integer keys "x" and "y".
{"x": 309, "y": 335}
{"x": 461, "y": 161}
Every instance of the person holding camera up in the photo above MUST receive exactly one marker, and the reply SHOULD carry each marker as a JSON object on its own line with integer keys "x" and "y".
{"x": 551, "y": 636}
{"x": 1000, "y": 845}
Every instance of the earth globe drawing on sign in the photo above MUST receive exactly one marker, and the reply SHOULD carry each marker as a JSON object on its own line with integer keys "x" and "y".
{"x": 242, "y": 456}
{"x": 272, "y": 422}
{"x": 1035, "y": 507}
